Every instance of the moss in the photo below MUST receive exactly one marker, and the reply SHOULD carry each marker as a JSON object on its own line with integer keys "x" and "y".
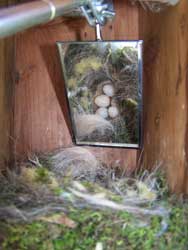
{"x": 90, "y": 63}
{"x": 42, "y": 175}
{"x": 116, "y": 231}
{"x": 38, "y": 176}
{"x": 72, "y": 83}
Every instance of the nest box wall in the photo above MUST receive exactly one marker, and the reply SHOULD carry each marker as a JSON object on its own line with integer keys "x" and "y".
{"x": 41, "y": 116}
{"x": 166, "y": 92}
{"x": 40, "y": 120}
{"x": 6, "y": 95}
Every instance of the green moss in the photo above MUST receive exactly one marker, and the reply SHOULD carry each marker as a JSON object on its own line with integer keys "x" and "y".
{"x": 115, "y": 230}
{"x": 86, "y": 64}
{"x": 42, "y": 175}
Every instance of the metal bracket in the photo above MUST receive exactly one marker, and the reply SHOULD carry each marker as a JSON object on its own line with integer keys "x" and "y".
{"x": 98, "y": 10}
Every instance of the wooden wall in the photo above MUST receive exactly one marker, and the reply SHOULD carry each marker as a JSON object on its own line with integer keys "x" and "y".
{"x": 6, "y": 95}
{"x": 166, "y": 92}
{"x": 41, "y": 120}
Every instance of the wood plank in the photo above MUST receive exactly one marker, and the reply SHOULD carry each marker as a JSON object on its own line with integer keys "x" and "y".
{"x": 41, "y": 120}
{"x": 6, "y": 95}
{"x": 166, "y": 93}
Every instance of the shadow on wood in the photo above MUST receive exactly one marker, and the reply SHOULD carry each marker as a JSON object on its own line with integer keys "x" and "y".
{"x": 52, "y": 63}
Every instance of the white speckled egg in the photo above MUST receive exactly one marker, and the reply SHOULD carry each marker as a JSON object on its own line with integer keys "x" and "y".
{"x": 103, "y": 112}
{"x": 108, "y": 90}
{"x": 102, "y": 101}
{"x": 113, "y": 112}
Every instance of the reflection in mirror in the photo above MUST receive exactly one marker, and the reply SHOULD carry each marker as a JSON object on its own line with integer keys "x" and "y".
{"x": 103, "y": 85}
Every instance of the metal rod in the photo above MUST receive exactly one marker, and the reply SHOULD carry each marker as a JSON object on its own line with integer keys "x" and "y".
{"x": 23, "y": 16}
{"x": 98, "y": 32}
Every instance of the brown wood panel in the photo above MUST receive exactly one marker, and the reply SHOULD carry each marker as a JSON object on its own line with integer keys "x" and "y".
{"x": 6, "y": 95}
{"x": 41, "y": 121}
{"x": 166, "y": 92}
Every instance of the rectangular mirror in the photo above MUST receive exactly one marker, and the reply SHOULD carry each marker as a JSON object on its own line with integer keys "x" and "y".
{"x": 103, "y": 83}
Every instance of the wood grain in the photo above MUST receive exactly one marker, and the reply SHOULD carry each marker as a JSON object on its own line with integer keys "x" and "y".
{"x": 6, "y": 96}
{"x": 166, "y": 93}
{"x": 41, "y": 121}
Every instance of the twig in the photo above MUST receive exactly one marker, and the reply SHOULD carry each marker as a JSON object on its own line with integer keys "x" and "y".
{"x": 35, "y": 161}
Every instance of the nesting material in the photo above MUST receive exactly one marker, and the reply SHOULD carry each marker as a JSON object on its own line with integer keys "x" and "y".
{"x": 99, "y": 246}
{"x": 156, "y": 5}
{"x": 75, "y": 162}
{"x": 24, "y": 201}
{"x": 86, "y": 125}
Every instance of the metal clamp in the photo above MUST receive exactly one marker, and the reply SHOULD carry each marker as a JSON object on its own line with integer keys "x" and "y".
{"x": 98, "y": 10}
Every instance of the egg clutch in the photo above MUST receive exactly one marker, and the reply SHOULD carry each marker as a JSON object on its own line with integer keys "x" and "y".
{"x": 106, "y": 106}
{"x": 103, "y": 82}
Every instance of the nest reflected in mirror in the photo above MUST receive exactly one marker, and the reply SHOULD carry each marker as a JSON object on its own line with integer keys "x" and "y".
{"x": 103, "y": 85}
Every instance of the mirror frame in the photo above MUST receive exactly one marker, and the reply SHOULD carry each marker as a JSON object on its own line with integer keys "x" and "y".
{"x": 140, "y": 94}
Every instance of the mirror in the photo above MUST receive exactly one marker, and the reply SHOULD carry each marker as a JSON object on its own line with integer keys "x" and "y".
{"x": 103, "y": 83}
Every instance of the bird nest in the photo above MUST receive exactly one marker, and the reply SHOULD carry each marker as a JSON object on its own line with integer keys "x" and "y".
{"x": 75, "y": 178}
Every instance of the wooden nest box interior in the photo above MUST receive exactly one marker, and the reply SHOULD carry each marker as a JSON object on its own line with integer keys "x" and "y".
{"x": 33, "y": 108}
